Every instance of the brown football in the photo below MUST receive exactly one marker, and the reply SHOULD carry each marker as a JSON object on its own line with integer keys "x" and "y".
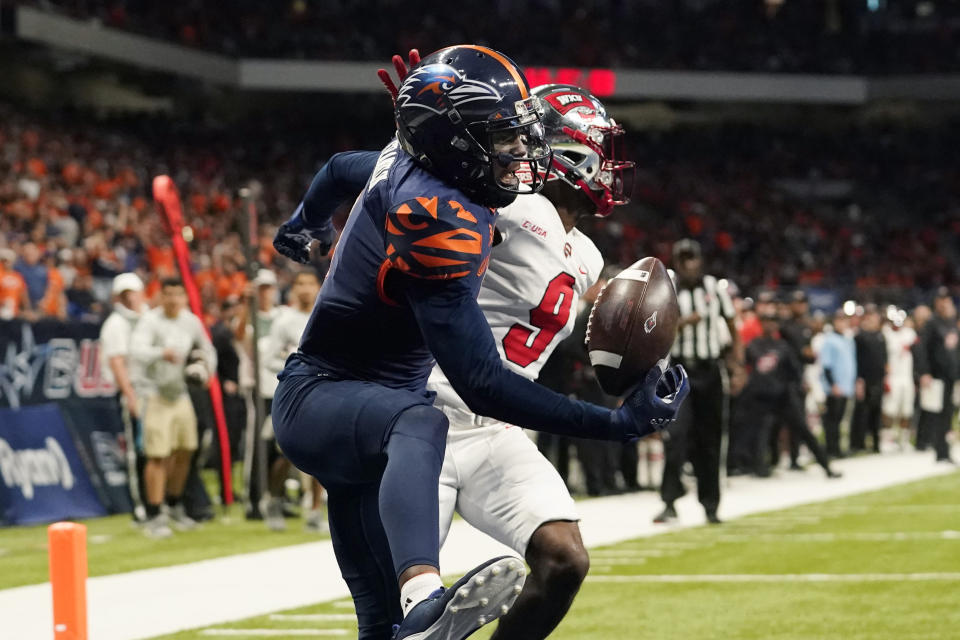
{"x": 632, "y": 325}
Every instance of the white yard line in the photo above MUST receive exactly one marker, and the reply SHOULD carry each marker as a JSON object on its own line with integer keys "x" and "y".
{"x": 783, "y": 577}
{"x": 314, "y": 617}
{"x": 152, "y": 602}
{"x": 826, "y": 536}
{"x": 263, "y": 633}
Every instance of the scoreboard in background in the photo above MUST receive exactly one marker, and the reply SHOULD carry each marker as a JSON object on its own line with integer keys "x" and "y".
{"x": 600, "y": 82}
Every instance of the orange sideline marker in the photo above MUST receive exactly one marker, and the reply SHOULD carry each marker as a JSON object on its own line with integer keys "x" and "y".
{"x": 68, "y": 577}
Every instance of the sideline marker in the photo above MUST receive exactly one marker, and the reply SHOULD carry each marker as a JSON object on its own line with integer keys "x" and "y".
{"x": 68, "y": 579}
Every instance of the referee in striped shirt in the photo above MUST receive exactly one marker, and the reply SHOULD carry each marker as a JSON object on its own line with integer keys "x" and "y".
{"x": 707, "y": 345}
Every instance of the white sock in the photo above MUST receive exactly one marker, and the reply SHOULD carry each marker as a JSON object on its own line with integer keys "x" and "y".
{"x": 417, "y": 589}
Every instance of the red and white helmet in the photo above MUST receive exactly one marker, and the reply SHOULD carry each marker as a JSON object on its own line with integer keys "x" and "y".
{"x": 587, "y": 146}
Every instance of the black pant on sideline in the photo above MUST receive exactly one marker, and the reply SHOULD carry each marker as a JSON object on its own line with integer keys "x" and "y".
{"x": 832, "y": 416}
{"x": 696, "y": 435}
{"x": 940, "y": 423}
{"x": 866, "y": 418}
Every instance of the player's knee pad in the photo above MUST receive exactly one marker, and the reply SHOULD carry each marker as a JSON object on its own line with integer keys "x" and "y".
{"x": 424, "y": 423}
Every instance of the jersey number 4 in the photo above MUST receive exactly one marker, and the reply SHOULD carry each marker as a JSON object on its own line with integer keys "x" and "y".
{"x": 549, "y": 318}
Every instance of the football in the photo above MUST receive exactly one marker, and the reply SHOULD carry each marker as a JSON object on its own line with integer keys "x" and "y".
{"x": 632, "y": 325}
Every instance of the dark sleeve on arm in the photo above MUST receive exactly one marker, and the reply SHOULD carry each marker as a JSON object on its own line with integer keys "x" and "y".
{"x": 342, "y": 177}
{"x": 828, "y": 374}
{"x": 921, "y": 354}
{"x": 460, "y": 339}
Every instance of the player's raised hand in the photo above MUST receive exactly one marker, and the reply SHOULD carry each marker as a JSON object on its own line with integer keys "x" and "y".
{"x": 402, "y": 68}
{"x": 655, "y": 403}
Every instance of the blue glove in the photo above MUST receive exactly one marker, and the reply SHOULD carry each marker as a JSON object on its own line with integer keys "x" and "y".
{"x": 293, "y": 238}
{"x": 653, "y": 405}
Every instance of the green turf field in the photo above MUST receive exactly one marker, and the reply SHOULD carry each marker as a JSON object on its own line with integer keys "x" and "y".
{"x": 882, "y": 565}
{"x": 115, "y": 545}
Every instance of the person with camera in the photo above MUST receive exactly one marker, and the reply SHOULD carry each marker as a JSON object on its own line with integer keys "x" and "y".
{"x": 172, "y": 346}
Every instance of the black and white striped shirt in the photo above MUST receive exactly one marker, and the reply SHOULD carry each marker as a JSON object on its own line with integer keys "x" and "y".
{"x": 706, "y": 339}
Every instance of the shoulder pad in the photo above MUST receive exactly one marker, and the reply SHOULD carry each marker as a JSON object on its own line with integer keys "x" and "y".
{"x": 434, "y": 239}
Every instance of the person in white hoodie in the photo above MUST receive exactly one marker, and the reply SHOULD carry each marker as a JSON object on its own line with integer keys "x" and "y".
{"x": 117, "y": 368}
{"x": 164, "y": 340}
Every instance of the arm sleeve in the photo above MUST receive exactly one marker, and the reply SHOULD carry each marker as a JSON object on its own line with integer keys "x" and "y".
{"x": 142, "y": 348}
{"x": 342, "y": 177}
{"x": 433, "y": 239}
{"x": 921, "y": 354}
{"x": 275, "y": 347}
{"x": 826, "y": 361}
{"x": 202, "y": 340}
{"x": 460, "y": 339}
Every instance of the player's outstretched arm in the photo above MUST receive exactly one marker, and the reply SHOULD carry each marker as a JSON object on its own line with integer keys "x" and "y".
{"x": 342, "y": 177}
{"x": 460, "y": 339}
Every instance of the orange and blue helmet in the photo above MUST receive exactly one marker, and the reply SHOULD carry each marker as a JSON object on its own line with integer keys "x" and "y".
{"x": 467, "y": 115}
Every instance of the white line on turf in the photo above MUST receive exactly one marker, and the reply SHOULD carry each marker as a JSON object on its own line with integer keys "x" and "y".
{"x": 878, "y": 536}
{"x": 866, "y": 509}
{"x": 261, "y": 633}
{"x": 628, "y": 560}
{"x": 605, "y": 553}
{"x": 653, "y": 543}
{"x": 313, "y": 617}
{"x": 783, "y": 577}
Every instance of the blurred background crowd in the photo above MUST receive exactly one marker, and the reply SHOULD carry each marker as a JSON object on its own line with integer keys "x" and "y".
{"x": 842, "y": 221}
{"x": 816, "y": 36}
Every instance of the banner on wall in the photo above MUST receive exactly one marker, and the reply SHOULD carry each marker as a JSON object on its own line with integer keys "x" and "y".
{"x": 102, "y": 444}
{"x": 42, "y": 478}
{"x": 49, "y": 361}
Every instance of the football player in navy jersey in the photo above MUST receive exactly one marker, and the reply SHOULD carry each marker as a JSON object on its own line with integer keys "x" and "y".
{"x": 352, "y": 407}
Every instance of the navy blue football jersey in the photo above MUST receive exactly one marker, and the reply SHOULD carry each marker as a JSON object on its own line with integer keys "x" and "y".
{"x": 407, "y": 225}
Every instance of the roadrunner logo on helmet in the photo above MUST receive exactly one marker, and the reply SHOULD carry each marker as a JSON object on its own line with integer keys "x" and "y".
{"x": 587, "y": 146}
{"x": 466, "y": 114}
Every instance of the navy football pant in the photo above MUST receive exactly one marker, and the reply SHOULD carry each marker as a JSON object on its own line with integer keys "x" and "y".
{"x": 378, "y": 452}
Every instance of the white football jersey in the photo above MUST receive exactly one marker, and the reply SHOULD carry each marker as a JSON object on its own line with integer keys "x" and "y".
{"x": 899, "y": 354}
{"x": 530, "y": 292}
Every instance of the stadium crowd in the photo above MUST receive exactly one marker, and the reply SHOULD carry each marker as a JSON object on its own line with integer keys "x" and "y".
{"x": 824, "y": 36}
{"x": 76, "y": 212}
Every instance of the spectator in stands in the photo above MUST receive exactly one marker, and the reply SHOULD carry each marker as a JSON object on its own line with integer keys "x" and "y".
{"x": 162, "y": 342}
{"x": 937, "y": 366}
{"x": 34, "y": 273}
{"x": 82, "y": 304}
{"x": 838, "y": 362}
{"x": 14, "y": 299}
{"x": 871, "y": 372}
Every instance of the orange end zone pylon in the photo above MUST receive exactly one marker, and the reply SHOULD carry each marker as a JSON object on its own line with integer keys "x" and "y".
{"x": 68, "y": 578}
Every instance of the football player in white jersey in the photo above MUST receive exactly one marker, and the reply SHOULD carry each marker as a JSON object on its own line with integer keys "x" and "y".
{"x": 493, "y": 474}
{"x": 899, "y": 392}
{"x": 540, "y": 265}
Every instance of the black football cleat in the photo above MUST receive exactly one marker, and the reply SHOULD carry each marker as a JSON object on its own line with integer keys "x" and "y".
{"x": 669, "y": 514}
{"x": 480, "y": 597}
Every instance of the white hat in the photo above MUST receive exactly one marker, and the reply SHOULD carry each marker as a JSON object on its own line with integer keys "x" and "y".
{"x": 265, "y": 278}
{"x": 8, "y": 255}
{"x": 127, "y": 282}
